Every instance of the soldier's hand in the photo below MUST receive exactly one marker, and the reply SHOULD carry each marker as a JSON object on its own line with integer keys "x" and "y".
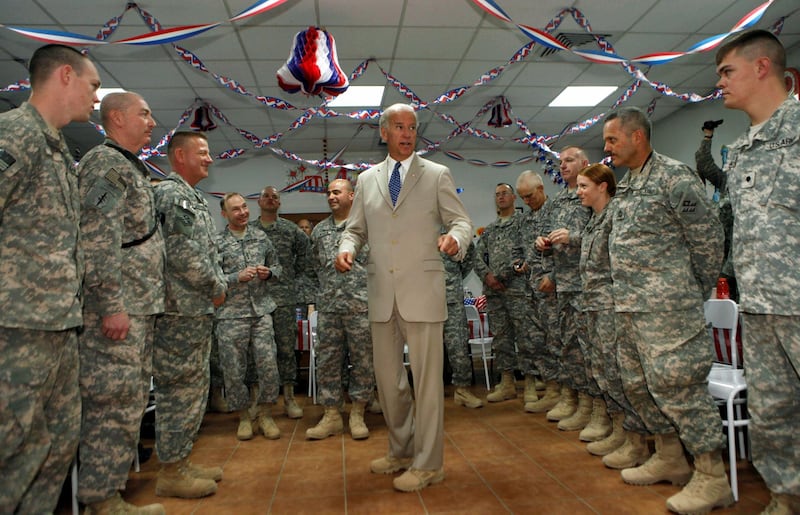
{"x": 116, "y": 326}
{"x": 546, "y": 285}
{"x": 263, "y": 272}
{"x": 248, "y": 274}
{"x": 492, "y": 282}
{"x": 343, "y": 262}
{"x": 218, "y": 300}
{"x": 542, "y": 243}
{"x": 559, "y": 236}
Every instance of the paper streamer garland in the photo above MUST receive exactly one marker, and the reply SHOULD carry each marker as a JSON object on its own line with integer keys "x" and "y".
{"x": 313, "y": 67}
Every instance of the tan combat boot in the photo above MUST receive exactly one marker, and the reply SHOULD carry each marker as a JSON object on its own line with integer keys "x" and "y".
{"x": 265, "y": 422}
{"x": 202, "y": 471}
{"x": 374, "y": 405}
{"x": 548, "y": 401}
{"x": 331, "y": 424}
{"x": 217, "y": 401}
{"x": 581, "y": 417}
{"x": 599, "y": 425}
{"x": 530, "y": 390}
{"x": 358, "y": 429}
{"x": 505, "y": 389}
{"x": 464, "y": 397}
{"x": 292, "y": 408}
{"x": 115, "y": 505}
{"x": 667, "y": 464}
{"x": 633, "y": 452}
{"x": 708, "y": 488}
{"x": 245, "y": 430}
{"x": 174, "y": 480}
{"x": 782, "y": 504}
{"x": 566, "y": 406}
{"x": 613, "y": 441}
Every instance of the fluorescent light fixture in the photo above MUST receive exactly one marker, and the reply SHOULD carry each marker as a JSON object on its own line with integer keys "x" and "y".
{"x": 359, "y": 96}
{"x": 582, "y": 96}
{"x": 101, "y": 92}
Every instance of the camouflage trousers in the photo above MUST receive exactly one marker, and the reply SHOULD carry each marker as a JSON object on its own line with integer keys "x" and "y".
{"x": 115, "y": 386}
{"x": 664, "y": 360}
{"x": 40, "y": 416}
{"x": 240, "y": 341}
{"x": 772, "y": 361}
{"x": 601, "y": 337}
{"x": 572, "y": 366}
{"x": 181, "y": 351}
{"x": 214, "y": 366}
{"x": 510, "y": 322}
{"x": 284, "y": 323}
{"x": 546, "y": 335}
{"x": 456, "y": 334}
{"x": 343, "y": 336}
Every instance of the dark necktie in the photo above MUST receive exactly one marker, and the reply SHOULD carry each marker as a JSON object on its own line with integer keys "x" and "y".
{"x": 394, "y": 183}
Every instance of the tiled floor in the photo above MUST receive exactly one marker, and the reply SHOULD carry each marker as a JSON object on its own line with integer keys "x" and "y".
{"x": 498, "y": 459}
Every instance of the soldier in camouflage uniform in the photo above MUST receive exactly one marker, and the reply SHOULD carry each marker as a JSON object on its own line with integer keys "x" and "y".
{"x": 342, "y": 324}
{"x": 195, "y": 285}
{"x": 289, "y": 291}
{"x": 124, "y": 291}
{"x": 545, "y": 336}
{"x": 498, "y": 256}
{"x": 244, "y": 322}
{"x": 568, "y": 217}
{"x": 764, "y": 187}
{"x": 709, "y": 171}
{"x": 596, "y": 187}
{"x": 665, "y": 248}
{"x": 456, "y": 332}
{"x": 41, "y": 270}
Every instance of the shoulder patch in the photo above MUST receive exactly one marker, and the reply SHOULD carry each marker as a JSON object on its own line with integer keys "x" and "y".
{"x": 106, "y": 192}
{"x": 6, "y": 160}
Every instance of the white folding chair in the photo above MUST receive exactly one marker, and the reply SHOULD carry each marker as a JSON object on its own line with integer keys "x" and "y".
{"x": 312, "y": 357}
{"x": 726, "y": 381}
{"x": 480, "y": 345}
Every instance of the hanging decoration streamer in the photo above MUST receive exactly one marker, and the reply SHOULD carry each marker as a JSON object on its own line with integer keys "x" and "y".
{"x": 537, "y": 142}
{"x": 156, "y": 37}
{"x": 313, "y": 66}
{"x": 608, "y": 56}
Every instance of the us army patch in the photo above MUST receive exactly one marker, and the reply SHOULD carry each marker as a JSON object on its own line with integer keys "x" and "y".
{"x": 6, "y": 160}
{"x": 105, "y": 192}
{"x": 182, "y": 220}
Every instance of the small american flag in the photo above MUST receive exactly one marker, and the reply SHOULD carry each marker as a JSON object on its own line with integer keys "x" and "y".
{"x": 479, "y": 302}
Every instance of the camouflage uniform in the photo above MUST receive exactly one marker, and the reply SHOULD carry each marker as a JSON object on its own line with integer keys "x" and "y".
{"x": 598, "y": 308}
{"x": 568, "y": 213}
{"x": 764, "y": 188}
{"x": 545, "y": 336}
{"x": 708, "y": 170}
{"x": 343, "y": 322}
{"x": 243, "y": 323}
{"x": 290, "y": 290}
{"x": 124, "y": 274}
{"x": 456, "y": 332}
{"x": 41, "y": 268}
{"x": 183, "y": 334}
{"x": 509, "y": 311}
{"x": 665, "y": 248}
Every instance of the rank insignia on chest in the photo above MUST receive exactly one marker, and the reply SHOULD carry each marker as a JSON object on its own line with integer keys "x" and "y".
{"x": 688, "y": 206}
{"x": 6, "y": 160}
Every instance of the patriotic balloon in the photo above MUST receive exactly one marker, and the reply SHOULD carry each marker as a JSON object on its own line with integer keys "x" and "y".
{"x": 313, "y": 66}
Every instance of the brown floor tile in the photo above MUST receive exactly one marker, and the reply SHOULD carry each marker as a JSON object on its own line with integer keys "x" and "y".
{"x": 498, "y": 460}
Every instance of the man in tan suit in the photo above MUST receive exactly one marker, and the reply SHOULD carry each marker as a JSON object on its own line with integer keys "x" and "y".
{"x": 406, "y": 291}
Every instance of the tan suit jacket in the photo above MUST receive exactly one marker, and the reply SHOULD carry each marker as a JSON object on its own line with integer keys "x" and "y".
{"x": 404, "y": 264}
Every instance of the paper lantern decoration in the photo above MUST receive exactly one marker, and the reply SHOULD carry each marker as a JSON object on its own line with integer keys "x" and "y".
{"x": 313, "y": 66}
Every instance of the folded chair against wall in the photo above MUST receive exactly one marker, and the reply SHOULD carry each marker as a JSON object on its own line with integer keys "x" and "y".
{"x": 726, "y": 381}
